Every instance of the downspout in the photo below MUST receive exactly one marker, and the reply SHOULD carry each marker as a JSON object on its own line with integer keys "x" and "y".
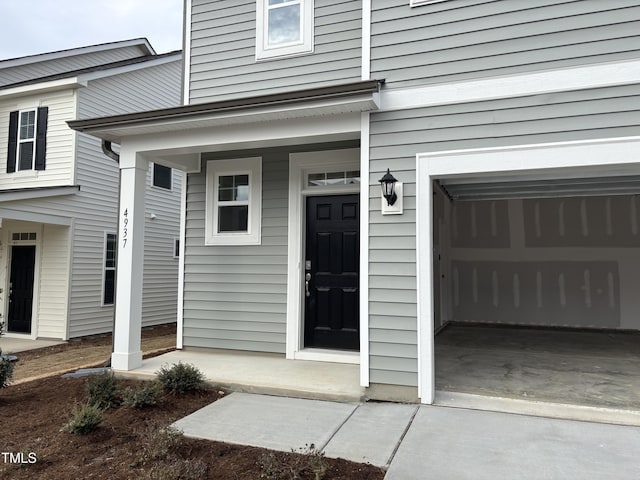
{"x": 108, "y": 151}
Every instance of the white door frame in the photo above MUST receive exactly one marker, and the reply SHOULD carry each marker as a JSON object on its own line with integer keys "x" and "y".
{"x": 301, "y": 164}
{"x": 575, "y": 159}
{"x": 37, "y": 243}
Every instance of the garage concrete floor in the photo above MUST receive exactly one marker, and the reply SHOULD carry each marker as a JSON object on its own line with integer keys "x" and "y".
{"x": 598, "y": 369}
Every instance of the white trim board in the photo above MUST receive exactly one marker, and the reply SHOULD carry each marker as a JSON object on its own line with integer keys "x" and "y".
{"x": 186, "y": 49}
{"x": 547, "y": 81}
{"x": 299, "y": 165}
{"x": 366, "y": 40}
{"x": 364, "y": 249}
{"x": 552, "y": 160}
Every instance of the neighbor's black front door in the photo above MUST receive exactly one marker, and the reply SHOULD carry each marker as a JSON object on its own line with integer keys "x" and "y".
{"x": 23, "y": 260}
{"x": 331, "y": 272}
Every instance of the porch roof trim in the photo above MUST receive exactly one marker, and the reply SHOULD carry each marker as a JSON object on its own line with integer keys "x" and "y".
{"x": 37, "y": 192}
{"x": 334, "y": 99}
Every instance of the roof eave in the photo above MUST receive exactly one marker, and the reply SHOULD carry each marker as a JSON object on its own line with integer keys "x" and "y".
{"x": 331, "y": 100}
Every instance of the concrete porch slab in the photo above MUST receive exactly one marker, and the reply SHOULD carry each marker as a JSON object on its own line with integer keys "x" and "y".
{"x": 372, "y": 433}
{"x": 445, "y": 443}
{"x": 264, "y": 373}
{"x": 278, "y": 423}
{"x": 15, "y": 344}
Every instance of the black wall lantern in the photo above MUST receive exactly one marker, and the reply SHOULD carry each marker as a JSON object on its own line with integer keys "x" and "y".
{"x": 388, "y": 185}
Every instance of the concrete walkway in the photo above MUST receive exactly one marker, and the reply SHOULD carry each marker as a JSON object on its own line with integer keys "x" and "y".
{"x": 16, "y": 344}
{"x": 425, "y": 442}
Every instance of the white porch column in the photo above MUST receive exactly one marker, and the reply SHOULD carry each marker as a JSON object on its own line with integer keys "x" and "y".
{"x": 127, "y": 353}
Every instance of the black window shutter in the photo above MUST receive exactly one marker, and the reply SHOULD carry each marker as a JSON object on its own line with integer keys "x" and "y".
{"x": 13, "y": 142}
{"x": 41, "y": 138}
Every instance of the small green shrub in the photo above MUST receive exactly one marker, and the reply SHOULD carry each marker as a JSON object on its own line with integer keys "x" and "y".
{"x": 144, "y": 395}
{"x": 180, "y": 378}
{"x": 293, "y": 466}
{"x": 84, "y": 419}
{"x": 6, "y": 372}
{"x": 102, "y": 390}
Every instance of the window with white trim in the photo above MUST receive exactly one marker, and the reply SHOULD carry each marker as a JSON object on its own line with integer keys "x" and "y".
{"x": 233, "y": 211}
{"x": 283, "y": 27}
{"x": 109, "y": 276}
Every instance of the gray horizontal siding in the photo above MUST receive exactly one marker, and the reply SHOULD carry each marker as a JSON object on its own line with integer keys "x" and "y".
{"x": 449, "y": 41}
{"x": 96, "y": 205}
{"x": 223, "y": 39}
{"x": 396, "y": 138}
{"x": 235, "y": 296}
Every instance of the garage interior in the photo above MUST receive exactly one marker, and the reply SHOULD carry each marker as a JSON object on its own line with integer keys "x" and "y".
{"x": 538, "y": 284}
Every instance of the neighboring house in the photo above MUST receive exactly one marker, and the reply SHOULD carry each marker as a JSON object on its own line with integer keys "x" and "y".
{"x": 294, "y": 111}
{"x": 59, "y": 191}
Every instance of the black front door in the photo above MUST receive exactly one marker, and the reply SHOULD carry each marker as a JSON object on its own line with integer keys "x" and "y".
{"x": 331, "y": 273}
{"x": 23, "y": 259}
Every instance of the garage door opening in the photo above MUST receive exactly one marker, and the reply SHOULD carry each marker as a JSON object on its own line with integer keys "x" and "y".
{"x": 536, "y": 289}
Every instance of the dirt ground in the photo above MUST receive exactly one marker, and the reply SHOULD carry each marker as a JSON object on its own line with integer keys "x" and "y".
{"x": 129, "y": 443}
{"x": 85, "y": 352}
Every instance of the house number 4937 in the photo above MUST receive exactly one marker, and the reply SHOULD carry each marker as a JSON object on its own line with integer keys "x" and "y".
{"x": 125, "y": 227}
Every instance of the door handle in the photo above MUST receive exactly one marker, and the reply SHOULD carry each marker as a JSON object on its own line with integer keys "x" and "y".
{"x": 307, "y": 277}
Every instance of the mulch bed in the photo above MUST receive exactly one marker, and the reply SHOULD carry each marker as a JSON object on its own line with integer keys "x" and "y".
{"x": 33, "y": 414}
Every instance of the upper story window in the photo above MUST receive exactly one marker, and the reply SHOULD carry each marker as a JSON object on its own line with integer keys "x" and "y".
{"x": 234, "y": 199}
{"x": 27, "y": 139}
{"x": 162, "y": 176}
{"x": 284, "y": 27}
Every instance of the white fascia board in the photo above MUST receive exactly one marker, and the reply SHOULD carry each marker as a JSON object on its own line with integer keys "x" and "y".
{"x": 320, "y": 109}
{"x": 611, "y": 156}
{"x": 87, "y": 77}
{"x": 507, "y": 86}
{"x": 37, "y": 88}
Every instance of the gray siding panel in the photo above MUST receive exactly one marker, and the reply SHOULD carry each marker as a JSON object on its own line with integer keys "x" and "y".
{"x": 235, "y": 296}
{"x": 450, "y": 41}
{"x": 223, "y": 63}
{"x": 155, "y": 87}
{"x": 396, "y": 138}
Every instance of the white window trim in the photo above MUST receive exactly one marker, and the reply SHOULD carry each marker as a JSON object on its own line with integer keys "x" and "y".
{"x": 304, "y": 46}
{"x": 170, "y": 189}
{"x": 105, "y": 268}
{"x": 242, "y": 166}
{"x": 32, "y": 139}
